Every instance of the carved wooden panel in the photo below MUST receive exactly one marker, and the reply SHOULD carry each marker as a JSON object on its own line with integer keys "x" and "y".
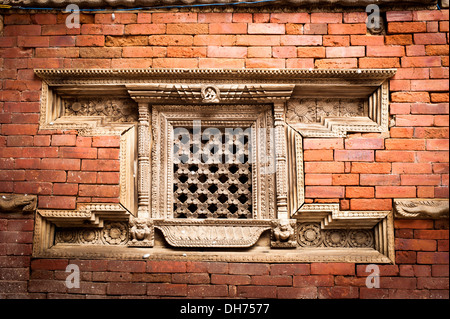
{"x": 255, "y": 201}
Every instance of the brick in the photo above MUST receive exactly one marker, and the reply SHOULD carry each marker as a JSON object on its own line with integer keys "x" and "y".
{"x": 411, "y": 168}
{"x": 337, "y": 40}
{"x": 313, "y": 28}
{"x": 207, "y": 291}
{"x": 324, "y": 167}
{"x": 297, "y": 293}
{"x": 318, "y": 155}
{"x": 324, "y": 191}
{"x": 343, "y": 63}
{"x": 103, "y": 52}
{"x": 300, "y": 63}
{"x": 414, "y": 120}
{"x": 99, "y": 190}
{"x": 285, "y": 17}
{"x": 431, "y": 234}
{"x": 228, "y": 28}
{"x": 354, "y": 155}
{"x": 323, "y": 143}
{"x": 406, "y": 27}
{"x": 221, "y": 63}
{"x": 423, "y": 108}
{"x": 57, "y": 202}
{"x": 126, "y": 266}
{"x": 262, "y": 292}
{"x": 405, "y": 144}
{"x": 433, "y": 38}
{"x": 427, "y": 15}
{"x": 248, "y": 269}
{"x": 178, "y": 17}
{"x": 364, "y": 143}
{"x": 415, "y": 50}
{"x": 57, "y": 52}
{"x": 81, "y": 177}
{"x": 259, "y": 52}
{"x": 62, "y": 41}
{"x": 45, "y": 175}
{"x": 301, "y": 40}
{"x": 182, "y": 28}
{"x": 290, "y": 269}
{"x": 60, "y": 164}
{"x": 415, "y": 244}
{"x": 351, "y": 28}
{"x": 237, "y": 280}
{"x": 32, "y": 41}
{"x": 145, "y": 28}
{"x": 77, "y": 152}
{"x": 166, "y": 266}
{"x": 166, "y": 289}
{"x": 374, "y": 63}
{"x": 432, "y": 258}
{"x": 272, "y": 280}
{"x": 431, "y": 132}
{"x": 325, "y": 17}
{"x": 311, "y": 52}
{"x": 419, "y": 62}
{"x": 432, "y": 283}
{"x": 398, "y": 282}
{"x": 143, "y": 52}
{"x": 65, "y": 189}
{"x": 218, "y": 40}
{"x": 399, "y": 39}
{"x": 318, "y": 179}
{"x": 345, "y": 52}
{"x": 266, "y": 28}
{"x": 395, "y": 191}
{"x": 399, "y": 16}
{"x": 226, "y": 52}
{"x": 125, "y": 41}
{"x": 121, "y": 288}
{"x": 100, "y": 165}
{"x": 265, "y": 63}
{"x": 371, "y": 168}
{"x": 49, "y": 264}
{"x": 345, "y": 269}
{"x": 19, "y": 129}
{"x": 370, "y": 204}
{"x": 359, "y": 192}
{"x": 175, "y": 62}
{"x": 439, "y": 270}
{"x": 429, "y": 85}
{"x": 21, "y": 30}
{"x": 345, "y": 179}
{"x": 338, "y": 292}
{"x": 313, "y": 281}
{"x": 108, "y": 153}
{"x": 421, "y": 179}
{"x": 432, "y": 156}
{"x": 47, "y": 286}
{"x": 284, "y": 52}
{"x": 439, "y": 73}
{"x": 90, "y": 40}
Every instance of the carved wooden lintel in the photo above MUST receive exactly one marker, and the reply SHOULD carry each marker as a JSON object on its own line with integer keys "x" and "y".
{"x": 421, "y": 208}
{"x": 10, "y": 203}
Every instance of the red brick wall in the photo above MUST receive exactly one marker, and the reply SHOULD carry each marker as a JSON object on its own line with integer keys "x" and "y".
{"x": 361, "y": 172}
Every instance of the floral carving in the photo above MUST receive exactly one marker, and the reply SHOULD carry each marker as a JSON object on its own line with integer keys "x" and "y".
{"x": 114, "y": 110}
{"x": 115, "y": 233}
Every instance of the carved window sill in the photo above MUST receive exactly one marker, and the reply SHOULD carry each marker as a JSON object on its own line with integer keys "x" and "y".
{"x": 277, "y": 227}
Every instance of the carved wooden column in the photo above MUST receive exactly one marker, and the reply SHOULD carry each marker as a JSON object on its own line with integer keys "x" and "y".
{"x": 143, "y": 161}
{"x": 280, "y": 160}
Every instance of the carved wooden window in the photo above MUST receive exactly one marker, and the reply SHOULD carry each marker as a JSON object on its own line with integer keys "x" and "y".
{"x": 171, "y": 199}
